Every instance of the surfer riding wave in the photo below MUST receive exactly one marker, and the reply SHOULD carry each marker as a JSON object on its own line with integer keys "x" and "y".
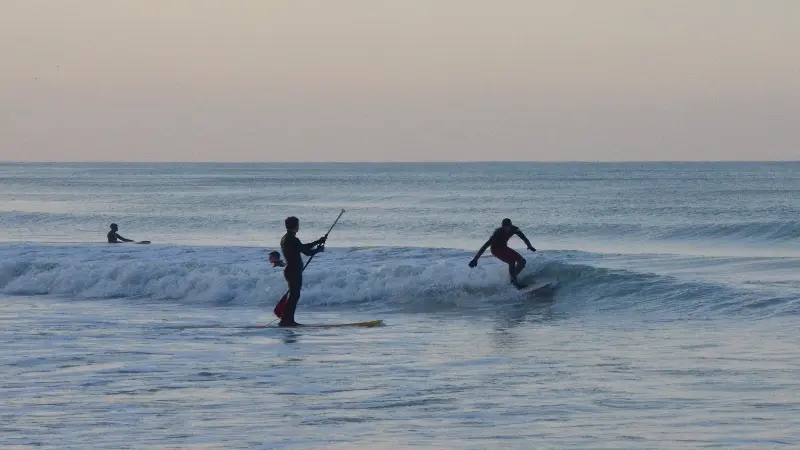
{"x": 499, "y": 248}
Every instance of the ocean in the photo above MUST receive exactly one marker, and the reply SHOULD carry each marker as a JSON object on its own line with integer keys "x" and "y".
{"x": 671, "y": 320}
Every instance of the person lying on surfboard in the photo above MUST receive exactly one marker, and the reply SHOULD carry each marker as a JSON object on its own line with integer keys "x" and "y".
{"x": 114, "y": 237}
{"x": 275, "y": 259}
{"x": 293, "y": 272}
{"x": 499, "y": 248}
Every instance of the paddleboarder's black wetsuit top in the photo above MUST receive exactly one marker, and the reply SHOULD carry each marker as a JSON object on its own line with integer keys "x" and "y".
{"x": 115, "y": 238}
{"x": 293, "y": 272}
{"x": 292, "y": 248}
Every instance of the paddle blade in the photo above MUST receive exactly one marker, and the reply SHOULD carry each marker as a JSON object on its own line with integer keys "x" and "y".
{"x": 279, "y": 307}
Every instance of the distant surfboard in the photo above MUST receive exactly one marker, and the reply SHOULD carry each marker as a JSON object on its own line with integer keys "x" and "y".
{"x": 143, "y": 242}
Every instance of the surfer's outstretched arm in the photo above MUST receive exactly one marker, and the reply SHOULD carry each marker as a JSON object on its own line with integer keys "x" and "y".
{"x": 123, "y": 239}
{"x": 483, "y": 248}
{"x": 525, "y": 239}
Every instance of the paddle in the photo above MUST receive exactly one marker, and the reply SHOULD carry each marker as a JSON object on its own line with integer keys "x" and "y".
{"x": 279, "y": 307}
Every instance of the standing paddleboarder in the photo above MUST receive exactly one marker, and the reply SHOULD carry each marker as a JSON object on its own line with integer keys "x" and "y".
{"x": 499, "y": 248}
{"x": 293, "y": 272}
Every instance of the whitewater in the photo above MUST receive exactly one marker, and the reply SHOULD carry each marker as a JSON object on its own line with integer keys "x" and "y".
{"x": 670, "y": 320}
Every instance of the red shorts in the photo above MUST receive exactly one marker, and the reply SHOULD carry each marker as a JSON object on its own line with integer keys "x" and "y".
{"x": 506, "y": 255}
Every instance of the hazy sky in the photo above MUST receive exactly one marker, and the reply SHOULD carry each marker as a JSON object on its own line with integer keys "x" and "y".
{"x": 380, "y": 80}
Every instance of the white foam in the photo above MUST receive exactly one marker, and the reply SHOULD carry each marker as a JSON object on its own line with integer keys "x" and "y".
{"x": 243, "y": 275}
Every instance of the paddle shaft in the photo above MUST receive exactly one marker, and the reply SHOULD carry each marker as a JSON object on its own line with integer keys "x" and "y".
{"x": 312, "y": 256}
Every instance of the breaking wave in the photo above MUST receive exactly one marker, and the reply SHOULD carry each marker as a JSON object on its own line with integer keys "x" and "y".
{"x": 396, "y": 279}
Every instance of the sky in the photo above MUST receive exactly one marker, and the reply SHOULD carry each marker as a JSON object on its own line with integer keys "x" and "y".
{"x": 402, "y": 80}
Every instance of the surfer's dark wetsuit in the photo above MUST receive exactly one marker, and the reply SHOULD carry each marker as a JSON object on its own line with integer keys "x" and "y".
{"x": 114, "y": 237}
{"x": 293, "y": 272}
{"x": 499, "y": 248}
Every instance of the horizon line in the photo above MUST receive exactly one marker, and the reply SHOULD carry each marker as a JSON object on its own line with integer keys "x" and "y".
{"x": 577, "y": 161}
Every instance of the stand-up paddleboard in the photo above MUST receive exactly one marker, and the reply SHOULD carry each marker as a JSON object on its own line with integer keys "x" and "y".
{"x": 369, "y": 323}
{"x": 366, "y": 324}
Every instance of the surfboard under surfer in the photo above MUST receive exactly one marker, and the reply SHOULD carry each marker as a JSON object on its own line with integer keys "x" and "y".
{"x": 499, "y": 248}
{"x": 293, "y": 272}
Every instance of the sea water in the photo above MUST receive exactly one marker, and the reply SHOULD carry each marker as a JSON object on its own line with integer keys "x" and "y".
{"x": 671, "y": 320}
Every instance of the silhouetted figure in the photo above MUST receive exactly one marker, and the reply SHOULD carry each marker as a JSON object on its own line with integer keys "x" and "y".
{"x": 114, "y": 237}
{"x": 499, "y": 244}
{"x": 292, "y": 248}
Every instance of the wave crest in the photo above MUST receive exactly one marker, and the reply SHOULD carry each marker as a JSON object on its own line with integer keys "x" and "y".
{"x": 392, "y": 278}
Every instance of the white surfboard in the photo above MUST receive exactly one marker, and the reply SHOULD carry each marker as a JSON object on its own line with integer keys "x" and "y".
{"x": 533, "y": 287}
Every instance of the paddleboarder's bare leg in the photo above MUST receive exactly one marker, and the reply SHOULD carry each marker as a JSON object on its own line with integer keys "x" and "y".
{"x": 295, "y": 281}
